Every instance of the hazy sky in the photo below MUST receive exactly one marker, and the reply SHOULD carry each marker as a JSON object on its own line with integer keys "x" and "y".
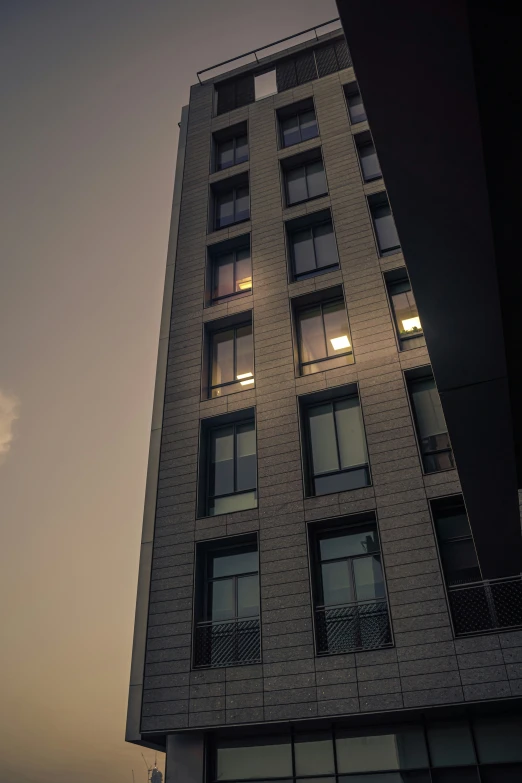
{"x": 91, "y": 93}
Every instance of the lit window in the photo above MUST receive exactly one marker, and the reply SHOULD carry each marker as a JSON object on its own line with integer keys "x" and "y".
{"x": 405, "y": 313}
{"x": 231, "y": 274}
{"x": 232, "y": 361}
{"x": 324, "y": 337}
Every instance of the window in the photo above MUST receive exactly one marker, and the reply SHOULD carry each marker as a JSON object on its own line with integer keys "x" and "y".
{"x": 430, "y": 424}
{"x": 313, "y": 249}
{"x": 368, "y": 157}
{"x": 265, "y": 84}
{"x": 299, "y": 126}
{"x": 231, "y": 274}
{"x": 456, "y": 546}
{"x": 305, "y": 181}
{"x": 323, "y": 336}
{"x": 351, "y": 611}
{"x": 232, "y": 360}
{"x": 355, "y": 105}
{"x": 336, "y": 445}
{"x": 231, "y": 151}
{"x": 227, "y": 629}
{"x": 229, "y": 471}
{"x": 384, "y": 225}
{"x": 232, "y": 206}
{"x": 404, "y": 308}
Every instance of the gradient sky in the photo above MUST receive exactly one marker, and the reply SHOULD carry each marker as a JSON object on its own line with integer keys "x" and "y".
{"x": 91, "y": 94}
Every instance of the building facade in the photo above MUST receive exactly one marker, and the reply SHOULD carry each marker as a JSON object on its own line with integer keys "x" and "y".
{"x": 311, "y": 600}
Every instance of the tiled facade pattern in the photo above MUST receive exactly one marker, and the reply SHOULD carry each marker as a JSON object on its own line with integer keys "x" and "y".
{"x": 426, "y": 666}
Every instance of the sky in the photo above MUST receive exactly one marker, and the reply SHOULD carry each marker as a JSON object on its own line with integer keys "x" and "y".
{"x": 91, "y": 94}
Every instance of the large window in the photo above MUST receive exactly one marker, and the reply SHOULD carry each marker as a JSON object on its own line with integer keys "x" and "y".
{"x": 336, "y": 447}
{"x": 313, "y": 248}
{"x": 369, "y": 161}
{"x": 231, "y": 274}
{"x": 354, "y": 102}
{"x": 232, "y": 360}
{"x": 231, "y": 206}
{"x": 456, "y": 546}
{"x": 351, "y": 611}
{"x": 405, "y": 313}
{"x": 231, "y": 151}
{"x": 432, "y": 432}
{"x": 298, "y": 126}
{"x": 384, "y": 225}
{"x": 323, "y": 336}
{"x": 230, "y": 467}
{"x": 227, "y": 630}
{"x": 444, "y": 751}
{"x": 305, "y": 181}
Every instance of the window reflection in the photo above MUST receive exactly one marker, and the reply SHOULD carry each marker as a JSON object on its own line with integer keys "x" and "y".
{"x": 232, "y": 481}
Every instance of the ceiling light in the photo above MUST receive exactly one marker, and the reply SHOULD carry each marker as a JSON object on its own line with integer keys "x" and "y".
{"x": 246, "y": 383}
{"x": 409, "y": 324}
{"x": 245, "y": 284}
{"x": 340, "y": 342}
{"x": 245, "y": 375}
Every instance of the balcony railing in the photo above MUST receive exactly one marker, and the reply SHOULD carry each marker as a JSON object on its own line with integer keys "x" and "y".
{"x": 361, "y": 626}
{"x": 486, "y": 606}
{"x": 230, "y": 643}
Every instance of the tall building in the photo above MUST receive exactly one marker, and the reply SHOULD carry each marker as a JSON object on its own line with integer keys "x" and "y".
{"x": 316, "y": 599}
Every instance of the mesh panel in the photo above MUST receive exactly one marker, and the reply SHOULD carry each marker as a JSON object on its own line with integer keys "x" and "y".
{"x": 227, "y": 644}
{"x": 245, "y": 91}
{"x": 353, "y": 628}
{"x": 305, "y": 67}
{"x": 226, "y": 97}
{"x": 344, "y": 59}
{"x": 286, "y": 75}
{"x": 326, "y": 60}
{"x": 487, "y": 606}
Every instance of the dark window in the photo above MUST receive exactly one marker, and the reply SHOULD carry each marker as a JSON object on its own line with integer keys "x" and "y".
{"x": 323, "y": 337}
{"x": 231, "y": 468}
{"x": 384, "y": 224}
{"x": 231, "y": 360}
{"x": 337, "y": 452}
{"x": 355, "y": 104}
{"x": 231, "y": 152}
{"x": 456, "y": 546}
{"x": 248, "y": 759}
{"x": 430, "y": 425}
{"x": 313, "y": 250}
{"x": 299, "y": 127}
{"x": 305, "y": 182}
{"x": 232, "y": 206}
{"x": 368, "y": 157}
{"x": 235, "y": 93}
{"x": 231, "y": 274}
{"x": 351, "y": 607}
{"x": 405, "y": 313}
{"x": 227, "y": 631}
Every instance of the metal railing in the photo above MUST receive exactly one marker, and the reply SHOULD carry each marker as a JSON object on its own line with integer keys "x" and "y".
{"x": 486, "y": 606}
{"x": 361, "y": 626}
{"x": 229, "y": 643}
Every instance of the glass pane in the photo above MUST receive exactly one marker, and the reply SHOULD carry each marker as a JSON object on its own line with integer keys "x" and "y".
{"x": 405, "y": 309}
{"x": 452, "y": 525}
{"x": 308, "y": 123}
{"x": 223, "y": 357}
{"x": 401, "y": 749}
{"x": 246, "y": 456}
{"x": 459, "y": 775}
{"x": 369, "y": 582}
{"x": 224, "y": 276}
{"x": 265, "y": 84}
{"x": 336, "y": 583}
{"x": 245, "y": 356}
{"x": 511, "y": 773}
{"x": 450, "y": 744}
{"x": 325, "y": 245}
{"x": 243, "y": 271}
{"x": 369, "y": 162}
{"x": 225, "y": 154}
{"x": 222, "y": 461}
{"x": 336, "y": 326}
{"x": 312, "y": 335}
{"x": 224, "y": 210}
{"x": 341, "y": 482}
{"x": 316, "y": 179}
{"x": 387, "y": 237}
{"x": 269, "y": 757}
{"x": 498, "y": 739}
{"x": 230, "y": 503}
{"x": 248, "y": 596}
{"x": 322, "y": 436}
{"x": 327, "y": 364}
{"x": 428, "y": 410}
{"x": 242, "y": 204}
{"x": 241, "y": 149}
{"x": 356, "y": 108}
{"x": 296, "y": 185}
{"x": 303, "y": 248}
{"x": 422, "y": 776}
{"x": 350, "y": 433}
{"x": 459, "y": 561}
{"x": 360, "y": 541}
{"x": 314, "y": 754}
{"x": 228, "y": 564}
{"x": 221, "y": 600}
{"x": 290, "y": 129}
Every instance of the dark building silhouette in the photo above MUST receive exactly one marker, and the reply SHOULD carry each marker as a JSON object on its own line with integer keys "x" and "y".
{"x": 330, "y": 584}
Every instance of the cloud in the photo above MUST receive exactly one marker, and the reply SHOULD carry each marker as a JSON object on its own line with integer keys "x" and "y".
{"x": 9, "y": 406}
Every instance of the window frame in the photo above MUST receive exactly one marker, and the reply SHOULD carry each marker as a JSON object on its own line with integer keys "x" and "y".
{"x": 437, "y": 508}
{"x": 376, "y": 201}
{"x": 319, "y": 270}
{"x": 234, "y": 139}
{"x": 210, "y": 429}
{"x": 417, "y": 376}
{"x": 392, "y": 278}
{"x": 212, "y": 335}
{"x": 304, "y": 164}
{"x": 297, "y": 113}
{"x": 232, "y": 190}
{"x": 361, "y": 144}
{"x": 310, "y": 306}
{"x": 351, "y": 89}
{"x": 210, "y": 552}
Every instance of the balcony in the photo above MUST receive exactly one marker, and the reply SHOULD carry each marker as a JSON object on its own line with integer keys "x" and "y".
{"x": 495, "y": 605}
{"x": 231, "y": 643}
{"x": 362, "y": 626}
